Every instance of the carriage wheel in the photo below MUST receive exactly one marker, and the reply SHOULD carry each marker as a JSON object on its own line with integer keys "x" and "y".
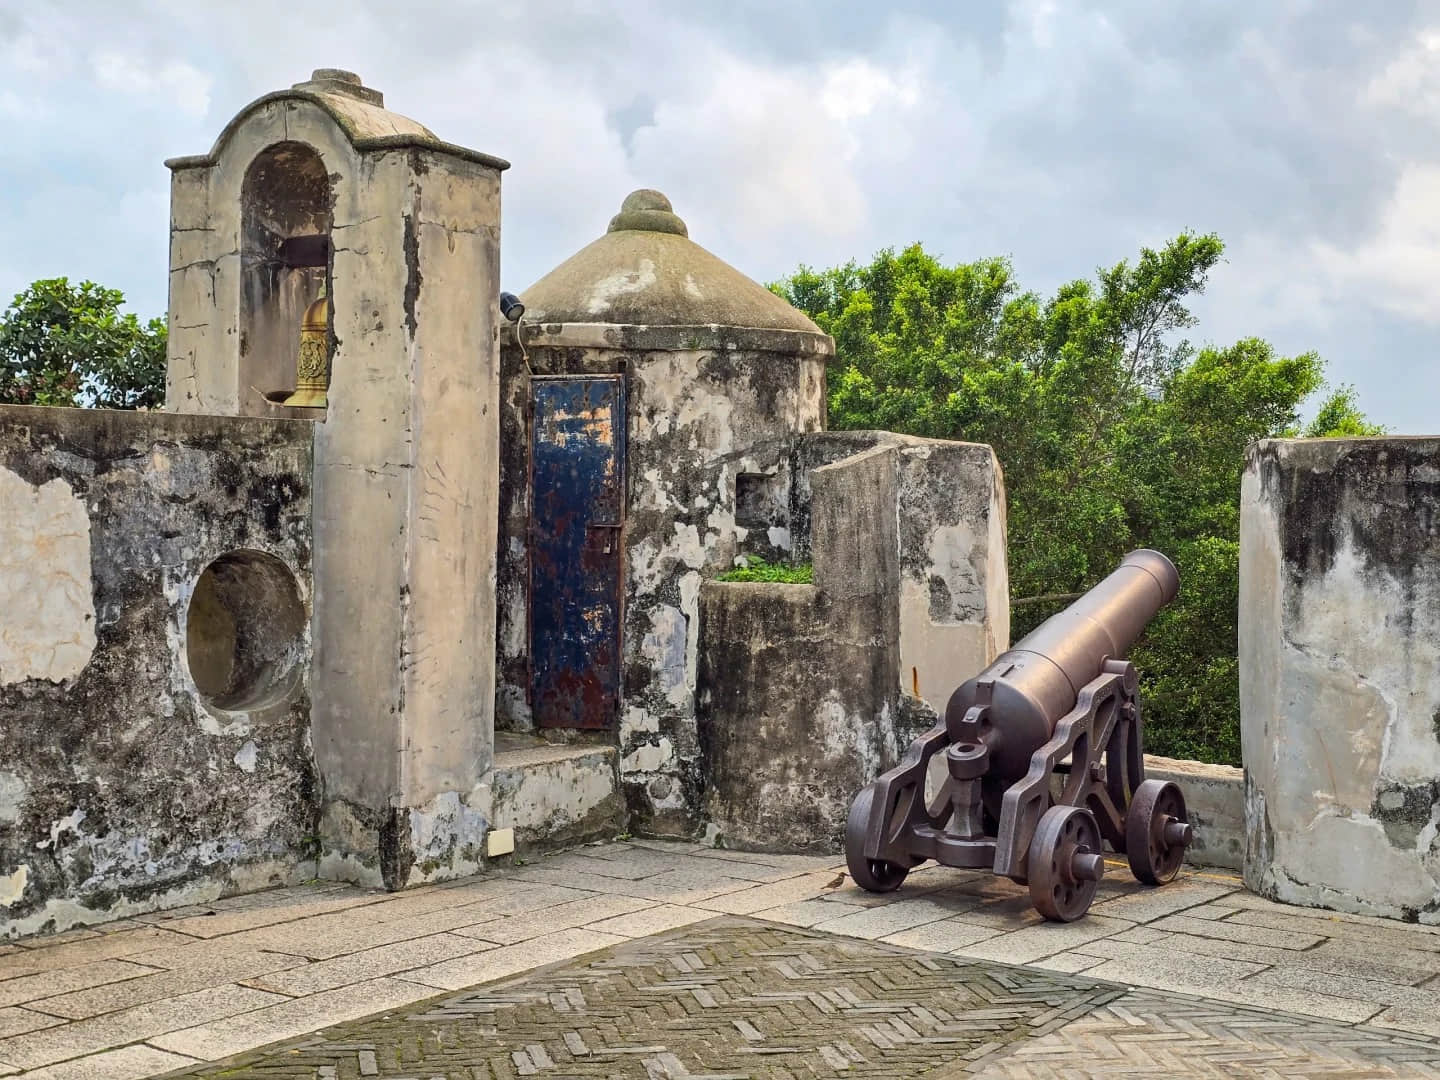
{"x": 1064, "y": 864}
{"x": 874, "y": 875}
{"x": 1156, "y": 832}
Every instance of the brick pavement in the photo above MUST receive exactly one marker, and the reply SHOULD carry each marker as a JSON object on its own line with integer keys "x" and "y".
{"x": 1337, "y": 995}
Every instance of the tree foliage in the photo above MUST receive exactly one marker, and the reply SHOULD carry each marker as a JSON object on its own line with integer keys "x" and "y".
{"x": 1113, "y": 430}
{"x": 64, "y": 344}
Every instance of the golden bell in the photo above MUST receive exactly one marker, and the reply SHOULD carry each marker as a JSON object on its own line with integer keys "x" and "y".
{"x": 312, "y": 380}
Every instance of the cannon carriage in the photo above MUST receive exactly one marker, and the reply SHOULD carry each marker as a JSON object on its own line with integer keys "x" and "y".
{"x": 1043, "y": 763}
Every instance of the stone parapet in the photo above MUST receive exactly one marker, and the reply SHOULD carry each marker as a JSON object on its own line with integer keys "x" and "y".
{"x": 1215, "y": 799}
{"x": 1340, "y": 673}
{"x": 155, "y": 587}
{"x": 806, "y": 693}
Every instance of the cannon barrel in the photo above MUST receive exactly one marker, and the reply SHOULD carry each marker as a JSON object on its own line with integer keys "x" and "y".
{"x": 1036, "y": 682}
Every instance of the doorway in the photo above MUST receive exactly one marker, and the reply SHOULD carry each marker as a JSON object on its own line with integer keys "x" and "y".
{"x": 577, "y": 487}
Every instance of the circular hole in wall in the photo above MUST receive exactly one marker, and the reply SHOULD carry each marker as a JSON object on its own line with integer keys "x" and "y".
{"x": 245, "y": 632}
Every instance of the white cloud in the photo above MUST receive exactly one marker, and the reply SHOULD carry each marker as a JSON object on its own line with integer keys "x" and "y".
{"x": 1398, "y": 267}
{"x": 1063, "y": 134}
{"x": 708, "y": 145}
{"x": 173, "y": 82}
{"x": 1411, "y": 82}
{"x": 856, "y": 87}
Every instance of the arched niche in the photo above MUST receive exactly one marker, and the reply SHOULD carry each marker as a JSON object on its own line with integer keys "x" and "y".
{"x": 286, "y": 202}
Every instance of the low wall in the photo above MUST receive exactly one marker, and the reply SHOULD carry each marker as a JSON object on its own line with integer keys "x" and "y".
{"x": 154, "y": 643}
{"x": 796, "y": 714}
{"x": 1340, "y": 673}
{"x": 797, "y": 696}
{"x": 1215, "y": 799}
{"x": 952, "y": 580}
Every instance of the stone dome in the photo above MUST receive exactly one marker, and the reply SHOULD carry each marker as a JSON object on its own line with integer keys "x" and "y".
{"x": 646, "y": 271}
{"x": 360, "y": 112}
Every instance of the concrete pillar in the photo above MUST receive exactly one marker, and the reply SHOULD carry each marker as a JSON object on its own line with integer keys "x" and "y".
{"x": 317, "y": 185}
{"x": 1340, "y": 673}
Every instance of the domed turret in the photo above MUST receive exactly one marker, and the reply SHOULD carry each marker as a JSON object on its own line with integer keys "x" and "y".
{"x": 646, "y": 271}
{"x": 651, "y": 398}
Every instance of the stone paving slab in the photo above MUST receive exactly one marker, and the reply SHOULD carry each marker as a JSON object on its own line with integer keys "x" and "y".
{"x": 736, "y": 998}
{"x": 1144, "y": 1034}
{"x": 279, "y": 965}
{"x": 54, "y": 1044}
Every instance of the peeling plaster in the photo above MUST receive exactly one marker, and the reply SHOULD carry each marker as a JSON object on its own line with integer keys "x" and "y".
{"x": 665, "y": 646}
{"x": 48, "y": 631}
{"x": 13, "y": 790}
{"x": 12, "y": 886}
{"x": 649, "y": 757}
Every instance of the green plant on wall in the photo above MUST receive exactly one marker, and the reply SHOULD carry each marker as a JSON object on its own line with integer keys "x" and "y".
{"x": 1113, "y": 431}
{"x": 756, "y": 569}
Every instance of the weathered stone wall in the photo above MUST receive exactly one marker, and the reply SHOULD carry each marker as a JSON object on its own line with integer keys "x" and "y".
{"x": 798, "y": 703}
{"x": 1215, "y": 803}
{"x": 806, "y": 694}
{"x": 1340, "y": 673}
{"x": 406, "y": 477}
{"x": 953, "y": 596}
{"x": 699, "y": 418}
{"x": 154, "y": 736}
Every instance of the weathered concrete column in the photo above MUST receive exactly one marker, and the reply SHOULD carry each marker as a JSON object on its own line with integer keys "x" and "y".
{"x": 953, "y": 593}
{"x": 1340, "y": 673}
{"x": 320, "y": 186}
{"x": 954, "y": 582}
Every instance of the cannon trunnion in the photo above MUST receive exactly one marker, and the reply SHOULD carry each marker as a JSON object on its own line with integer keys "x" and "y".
{"x": 1042, "y": 756}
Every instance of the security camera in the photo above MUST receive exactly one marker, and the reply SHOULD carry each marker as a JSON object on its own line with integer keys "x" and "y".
{"x": 511, "y": 307}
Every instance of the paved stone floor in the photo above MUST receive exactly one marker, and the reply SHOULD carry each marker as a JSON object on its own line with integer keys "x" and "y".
{"x": 665, "y": 960}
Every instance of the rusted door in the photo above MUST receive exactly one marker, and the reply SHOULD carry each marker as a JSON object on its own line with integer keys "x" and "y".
{"x": 577, "y": 471}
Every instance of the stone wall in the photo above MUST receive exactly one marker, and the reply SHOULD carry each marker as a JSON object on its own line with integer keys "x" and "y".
{"x": 700, "y": 420}
{"x": 954, "y": 589}
{"x": 154, "y": 656}
{"x": 1340, "y": 673}
{"x": 1215, "y": 803}
{"x": 807, "y": 693}
{"x": 798, "y": 701}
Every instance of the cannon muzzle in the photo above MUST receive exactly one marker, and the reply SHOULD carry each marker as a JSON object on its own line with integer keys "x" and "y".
{"x": 1037, "y": 681}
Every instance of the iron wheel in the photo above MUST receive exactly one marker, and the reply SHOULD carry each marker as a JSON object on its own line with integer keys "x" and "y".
{"x": 1157, "y": 831}
{"x": 873, "y": 875}
{"x": 1065, "y": 863}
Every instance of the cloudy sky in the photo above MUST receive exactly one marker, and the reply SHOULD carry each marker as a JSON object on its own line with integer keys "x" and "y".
{"x": 1063, "y": 133}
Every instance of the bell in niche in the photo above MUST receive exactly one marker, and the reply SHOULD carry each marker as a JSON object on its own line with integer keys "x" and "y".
{"x": 311, "y": 378}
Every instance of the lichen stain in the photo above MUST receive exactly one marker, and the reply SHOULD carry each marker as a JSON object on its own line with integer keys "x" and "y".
{"x": 604, "y": 291}
{"x": 1404, "y": 810}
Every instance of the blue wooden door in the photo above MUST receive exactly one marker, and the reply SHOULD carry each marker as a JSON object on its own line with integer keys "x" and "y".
{"x": 577, "y": 487}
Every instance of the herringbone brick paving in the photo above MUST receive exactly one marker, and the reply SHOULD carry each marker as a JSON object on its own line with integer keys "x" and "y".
{"x": 174, "y": 989}
{"x": 734, "y": 998}
{"x": 1147, "y": 1034}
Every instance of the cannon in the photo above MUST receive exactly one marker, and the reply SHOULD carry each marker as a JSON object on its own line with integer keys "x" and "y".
{"x": 1042, "y": 757}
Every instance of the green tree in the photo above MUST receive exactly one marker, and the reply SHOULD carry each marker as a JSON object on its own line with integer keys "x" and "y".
{"x": 63, "y": 344}
{"x": 1113, "y": 431}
